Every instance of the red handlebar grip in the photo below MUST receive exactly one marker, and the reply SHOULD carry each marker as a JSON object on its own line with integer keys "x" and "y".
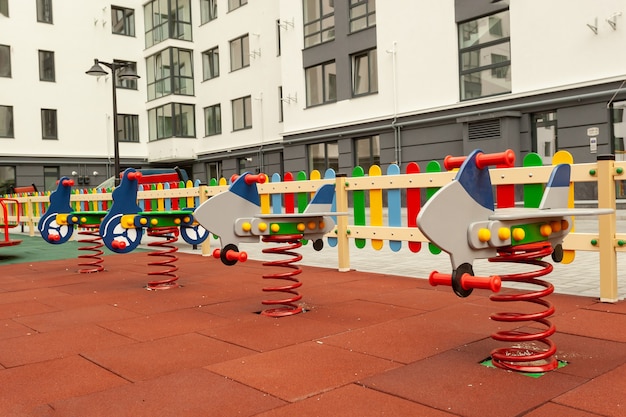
{"x": 436, "y": 278}
{"x": 451, "y": 162}
{"x": 483, "y": 160}
{"x": 232, "y": 255}
{"x": 67, "y": 183}
{"x": 493, "y": 283}
{"x": 258, "y": 178}
{"x": 505, "y": 159}
{"x": 134, "y": 175}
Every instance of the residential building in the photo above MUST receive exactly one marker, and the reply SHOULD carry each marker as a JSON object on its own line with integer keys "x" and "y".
{"x": 286, "y": 85}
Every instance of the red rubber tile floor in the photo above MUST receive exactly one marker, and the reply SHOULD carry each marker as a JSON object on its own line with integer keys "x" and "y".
{"x": 100, "y": 344}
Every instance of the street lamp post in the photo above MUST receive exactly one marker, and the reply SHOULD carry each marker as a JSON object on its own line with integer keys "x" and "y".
{"x": 126, "y": 72}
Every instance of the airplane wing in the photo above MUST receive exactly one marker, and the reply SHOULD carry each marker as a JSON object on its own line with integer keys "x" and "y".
{"x": 527, "y": 213}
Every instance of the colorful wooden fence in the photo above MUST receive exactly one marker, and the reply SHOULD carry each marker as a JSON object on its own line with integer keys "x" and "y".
{"x": 372, "y": 222}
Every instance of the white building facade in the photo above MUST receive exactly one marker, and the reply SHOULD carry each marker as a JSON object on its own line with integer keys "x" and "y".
{"x": 286, "y": 85}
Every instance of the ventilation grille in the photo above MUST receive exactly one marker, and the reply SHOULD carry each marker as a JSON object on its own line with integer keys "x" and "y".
{"x": 484, "y": 129}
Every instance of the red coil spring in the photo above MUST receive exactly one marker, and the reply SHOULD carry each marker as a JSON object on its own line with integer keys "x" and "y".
{"x": 93, "y": 261}
{"x": 288, "y": 304}
{"x": 170, "y": 234}
{"x": 526, "y": 356}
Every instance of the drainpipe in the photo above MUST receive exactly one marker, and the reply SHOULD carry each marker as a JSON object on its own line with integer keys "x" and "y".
{"x": 396, "y": 129}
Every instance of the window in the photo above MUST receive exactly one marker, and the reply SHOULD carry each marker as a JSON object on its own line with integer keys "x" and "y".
{"x": 485, "y": 56}
{"x": 544, "y": 135}
{"x": 367, "y": 152}
{"x": 208, "y": 10}
{"x": 323, "y": 156}
{"x": 4, "y": 7}
{"x": 49, "y": 124}
{"x": 242, "y": 113}
{"x": 364, "y": 73}
{"x": 319, "y": 21}
{"x": 122, "y": 21}
{"x": 6, "y": 121}
{"x": 362, "y": 14}
{"x": 5, "y": 61}
{"x": 44, "y": 11}
{"x": 169, "y": 72}
{"x": 213, "y": 120}
{"x": 280, "y": 104}
{"x": 46, "y": 65}
{"x": 171, "y": 120}
{"x": 239, "y": 53}
{"x": 50, "y": 177}
{"x": 7, "y": 178}
{"x": 278, "y": 47}
{"x": 122, "y": 83}
{"x": 213, "y": 171}
{"x": 235, "y": 4}
{"x": 321, "y": 84}
{"x": 211, "y": 63}
{"x": 167, "y": 19}
{"x": 128, "y": 127}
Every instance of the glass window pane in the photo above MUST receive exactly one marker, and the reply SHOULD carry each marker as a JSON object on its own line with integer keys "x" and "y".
{"x": 245, "y": 51}
{"x": 44, "y": 11}
{"x": 314, "y": 85}
{"x": 238, "y": 121}
{"x": 484, "y": 83}
{"x": 486, "y": 29}
{"x": 330, "y": 74}
{"x": 7, "y": 178}
{"x": 235, "y": 55}
{"x": 311, "y": 10}
{"x": 6, "y": 121}
{"x": 361, "y": 75}
{"x": 5, "y": 61}
{"x": 248, "y": 111}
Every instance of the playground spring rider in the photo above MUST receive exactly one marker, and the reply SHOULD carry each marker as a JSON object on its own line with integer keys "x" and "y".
{"x": 475, "y": 230}
{"x": 241, "y": 203}
{"x": 122, "y": 228}
{"x": 57, "y": 226}
{"x": 6, "y": 224}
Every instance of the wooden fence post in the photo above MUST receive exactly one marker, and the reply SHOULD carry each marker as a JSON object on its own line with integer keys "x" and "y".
{"x": 606, "y": 224}
{"x": 343, "y": 247}
{"x": 206, "y": 245}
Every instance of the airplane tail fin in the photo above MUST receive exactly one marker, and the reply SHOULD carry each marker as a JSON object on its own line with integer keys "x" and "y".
{"x": 246, "y": 190}
{"x": 322, "y": 200}
{"x": 556, "y": 194}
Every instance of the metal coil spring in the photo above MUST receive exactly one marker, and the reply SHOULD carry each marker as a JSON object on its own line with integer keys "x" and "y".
{"x": 526, "y": 356}
{"x": 170, "y": 234}
{"x": 287, "y": 305}
{"x": 92, "y": 261}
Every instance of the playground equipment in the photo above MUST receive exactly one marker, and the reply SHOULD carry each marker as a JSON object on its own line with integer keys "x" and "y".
{"x": 57, "y": 226}
{"x": 120, "y": 228}
{"x": 235, "y": 217}
{"x": 460, "y": 219}
{"x": 7, "y": 223}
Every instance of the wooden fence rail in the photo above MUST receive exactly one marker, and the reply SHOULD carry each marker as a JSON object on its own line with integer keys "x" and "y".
{"x": 291, "y": 194}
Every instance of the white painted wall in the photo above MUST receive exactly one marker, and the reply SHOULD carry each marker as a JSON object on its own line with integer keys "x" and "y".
{"x": 80, "y": 33}
{"x": 552, "y": 46}
{"x": 260, "y": 80}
